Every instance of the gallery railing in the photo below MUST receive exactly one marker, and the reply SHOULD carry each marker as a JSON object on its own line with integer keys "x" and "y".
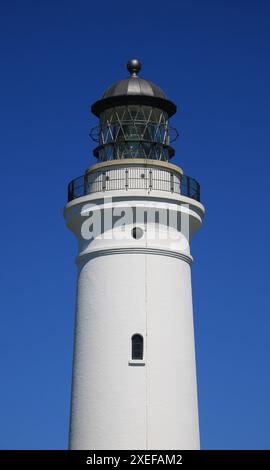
{"x": 101, "y": 181}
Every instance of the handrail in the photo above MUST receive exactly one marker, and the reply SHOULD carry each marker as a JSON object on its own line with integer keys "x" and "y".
{"x": 101, "y": 181}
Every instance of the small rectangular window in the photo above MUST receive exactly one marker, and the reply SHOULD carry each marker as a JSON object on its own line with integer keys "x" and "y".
{"x": 137, "y": 347}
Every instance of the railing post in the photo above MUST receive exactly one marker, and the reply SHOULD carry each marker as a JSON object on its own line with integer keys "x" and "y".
{"x": 188, "y": 186}
{"x": 126, "y": 179}
{"x": 150, "y": 179}
{"x": 172, "y": 183}
{"x": 104, "y": 181}
{"x": 198, "y": 192}
{"x": 85, "y": 181}
{"x": 70, "y": 191}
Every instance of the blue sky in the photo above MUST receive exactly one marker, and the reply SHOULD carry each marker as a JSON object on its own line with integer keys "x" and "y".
{"x": 212, "y": 59}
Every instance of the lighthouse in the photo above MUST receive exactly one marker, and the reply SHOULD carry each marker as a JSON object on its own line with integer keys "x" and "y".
{"x": 134, "y": 213}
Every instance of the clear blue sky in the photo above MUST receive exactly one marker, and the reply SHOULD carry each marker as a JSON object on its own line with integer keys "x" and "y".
{"x": 212, "y": 59}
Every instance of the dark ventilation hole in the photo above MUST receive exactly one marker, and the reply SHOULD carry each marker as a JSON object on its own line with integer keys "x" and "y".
{"x": 137, "y": 347}
{"x": 137, "y": 232}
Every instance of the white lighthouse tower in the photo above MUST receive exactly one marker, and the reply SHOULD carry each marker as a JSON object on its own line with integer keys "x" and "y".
{"x": 134, "y": 214}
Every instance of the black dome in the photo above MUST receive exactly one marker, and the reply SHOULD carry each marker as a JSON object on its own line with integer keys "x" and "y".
{"x": 134, "y": 85}
{"x": 134, "y": 90}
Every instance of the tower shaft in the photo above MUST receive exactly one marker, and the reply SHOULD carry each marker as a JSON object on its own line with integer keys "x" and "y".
{"x": 134, "y": 214}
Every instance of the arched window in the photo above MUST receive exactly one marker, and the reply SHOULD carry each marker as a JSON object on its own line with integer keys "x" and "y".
{"x": 137, "y": 347}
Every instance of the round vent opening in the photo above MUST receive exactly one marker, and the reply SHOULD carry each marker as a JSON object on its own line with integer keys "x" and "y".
{"x": 137, "y": 233}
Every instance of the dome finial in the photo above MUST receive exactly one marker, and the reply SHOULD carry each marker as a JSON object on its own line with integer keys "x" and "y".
{"x": 134, "y": 66}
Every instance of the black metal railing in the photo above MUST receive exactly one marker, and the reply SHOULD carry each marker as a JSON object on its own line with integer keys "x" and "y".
{"x": 101, "y": 181}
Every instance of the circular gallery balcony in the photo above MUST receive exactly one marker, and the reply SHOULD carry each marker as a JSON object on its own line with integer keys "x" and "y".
{"x": 121, "y": 177}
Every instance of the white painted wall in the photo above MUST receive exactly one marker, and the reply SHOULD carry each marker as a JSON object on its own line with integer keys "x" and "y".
{"x": 135, "y": 176}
